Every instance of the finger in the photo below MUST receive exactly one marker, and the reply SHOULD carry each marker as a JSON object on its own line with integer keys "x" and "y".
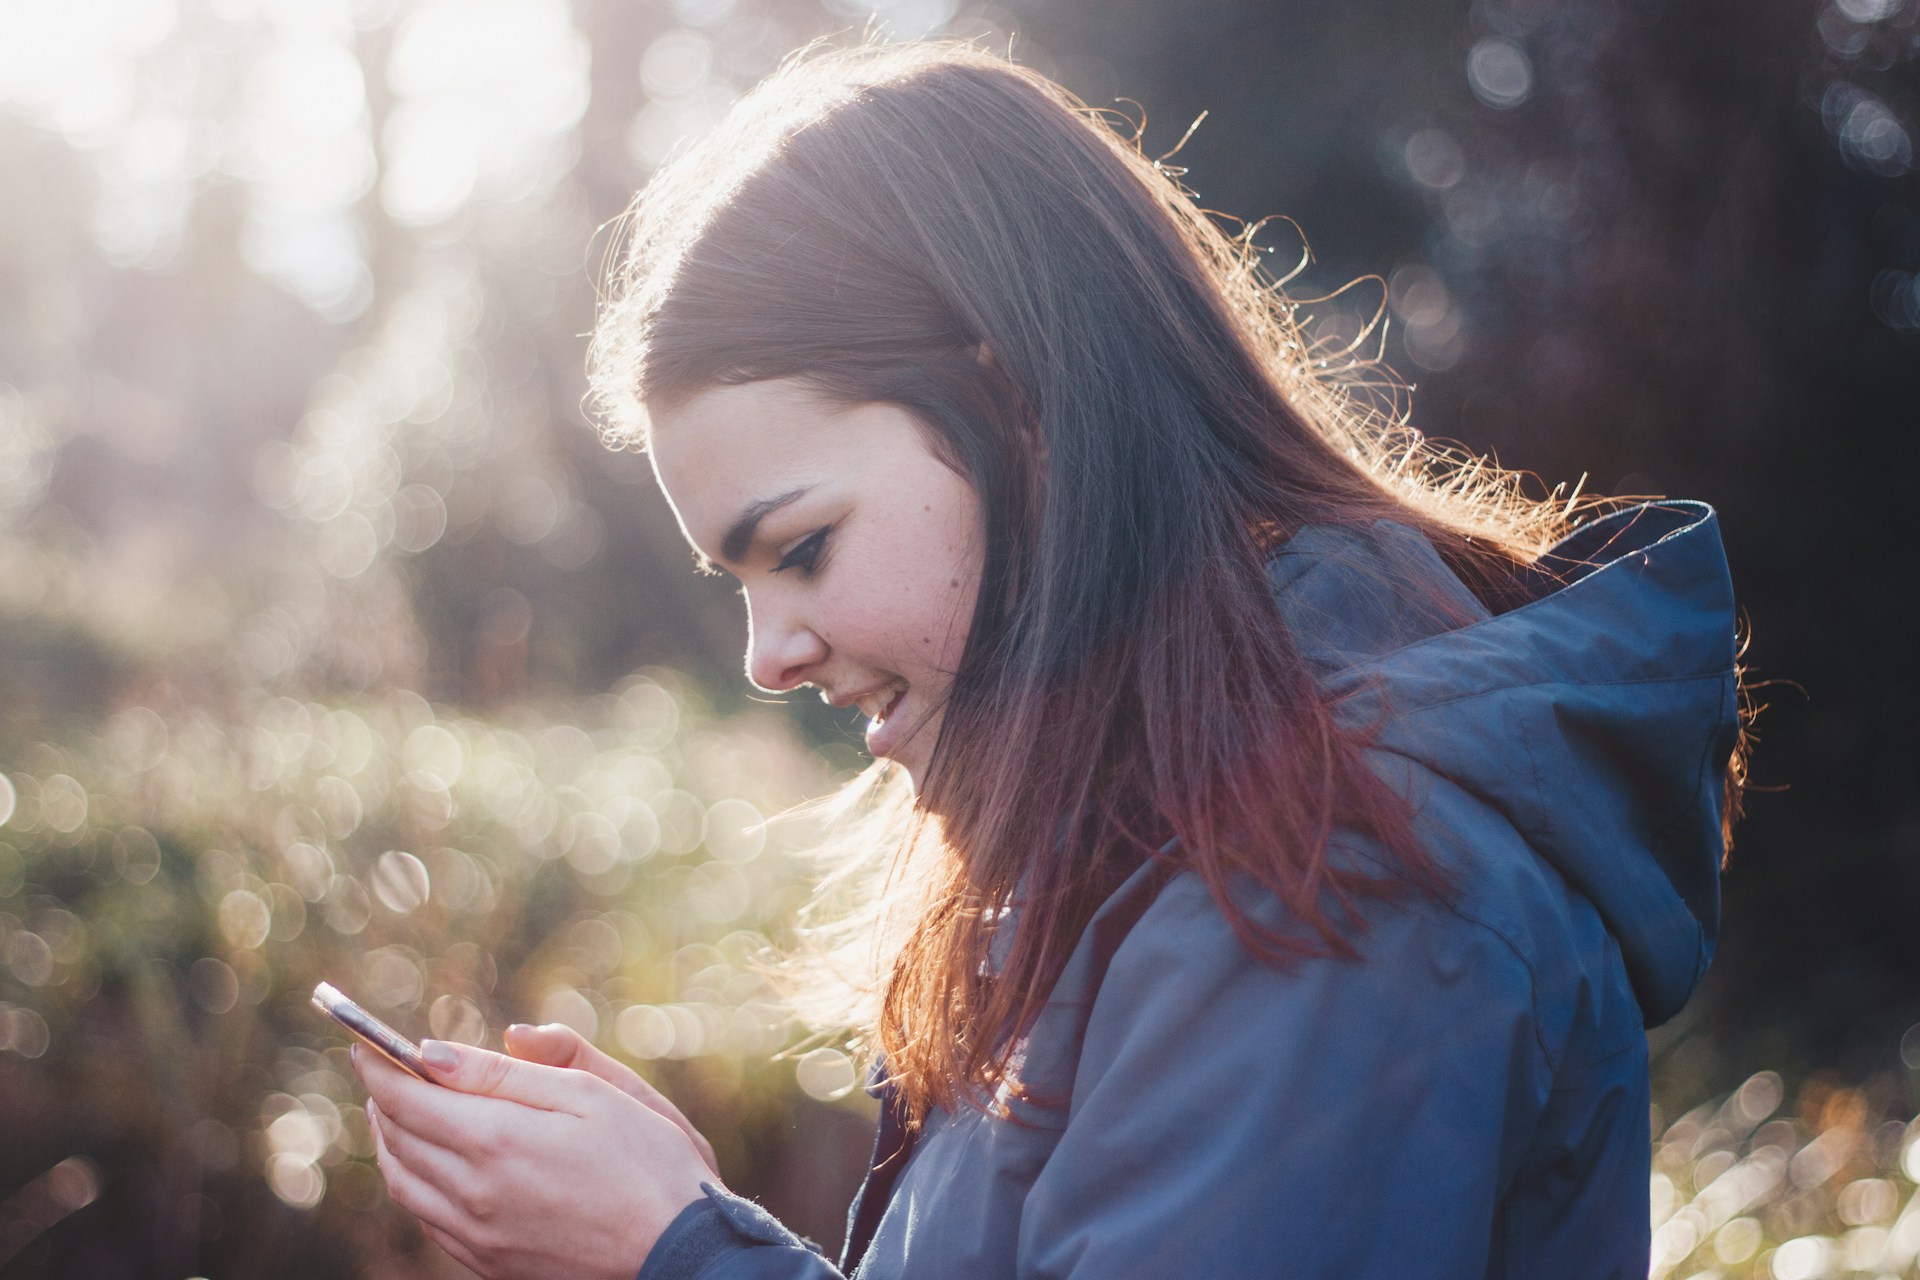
{"x": 465, "y": 1125}
{"x": 554, "y": 1044}
{"x": 413, "y": 1103}
{"x": 446, "y": 1168}
{"x": 384, "y": 1082}
{"x": 558, "y": 1045}
{"x": 453, "y": 1246}
{"x": 411, "y": 1191}
{"x": 495, "y": 1075}
{"x": 414, "y": 1190}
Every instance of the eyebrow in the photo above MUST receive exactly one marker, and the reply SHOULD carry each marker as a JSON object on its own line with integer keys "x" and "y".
{"x": 733, "y": 547}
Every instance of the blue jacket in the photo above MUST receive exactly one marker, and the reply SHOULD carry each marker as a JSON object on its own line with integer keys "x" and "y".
{"x": 1470, "y": 1098}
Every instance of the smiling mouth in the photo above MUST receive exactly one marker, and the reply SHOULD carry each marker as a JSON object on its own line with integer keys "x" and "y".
{"x": 877, "y": 704}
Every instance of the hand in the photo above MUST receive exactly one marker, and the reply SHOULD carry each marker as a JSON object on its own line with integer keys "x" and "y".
{"x": 558, "y": 1045}
{"x": 521, "y": 1170}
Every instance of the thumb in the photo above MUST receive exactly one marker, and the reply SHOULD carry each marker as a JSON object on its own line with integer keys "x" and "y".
{"x": 555, "y": 1045}
{"x": 495, "y": 1075}
{"x": 558, "y": 1045}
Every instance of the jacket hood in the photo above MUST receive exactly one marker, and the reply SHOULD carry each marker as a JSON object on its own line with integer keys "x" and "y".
{"x": 1598, "y": 716}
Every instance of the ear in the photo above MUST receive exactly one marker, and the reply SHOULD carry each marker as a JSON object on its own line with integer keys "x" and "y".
{"x": 983, "y": 355}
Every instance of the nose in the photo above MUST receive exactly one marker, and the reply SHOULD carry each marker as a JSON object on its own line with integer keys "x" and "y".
{"x": 782, "y": 651}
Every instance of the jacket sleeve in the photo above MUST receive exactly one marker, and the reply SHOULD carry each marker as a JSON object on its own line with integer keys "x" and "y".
{"x": 1339, "y": 1119}
{"x": 726, "y": 1237}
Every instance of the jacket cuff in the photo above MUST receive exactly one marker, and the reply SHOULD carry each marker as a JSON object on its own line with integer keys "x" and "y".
{"x": 718, "y": 1224}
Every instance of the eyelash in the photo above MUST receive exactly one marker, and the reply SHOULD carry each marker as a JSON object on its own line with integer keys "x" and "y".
{"x": 805, "y": 555}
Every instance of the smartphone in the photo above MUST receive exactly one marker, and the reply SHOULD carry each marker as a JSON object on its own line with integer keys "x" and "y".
{"x": 398, "y": 1049}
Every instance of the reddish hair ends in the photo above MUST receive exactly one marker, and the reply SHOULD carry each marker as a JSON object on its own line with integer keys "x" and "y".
{"x": 1144, "y": 421}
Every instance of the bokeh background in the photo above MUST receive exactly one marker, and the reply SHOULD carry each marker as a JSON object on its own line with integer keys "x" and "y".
{"x": 333, "y": 644}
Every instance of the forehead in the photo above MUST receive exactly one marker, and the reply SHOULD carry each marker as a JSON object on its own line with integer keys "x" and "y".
{"x": 730, "y": 432}
{"x": 731, "y": 446}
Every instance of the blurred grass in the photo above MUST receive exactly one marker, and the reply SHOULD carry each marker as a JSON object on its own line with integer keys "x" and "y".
{"x": 290, "y": 407}
{"x": 1757, "y": 1184}
{"x": 172, "y": 886}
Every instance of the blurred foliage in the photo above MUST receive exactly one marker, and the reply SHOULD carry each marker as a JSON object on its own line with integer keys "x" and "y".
{"x": 172, "y": 887}
{"x": 1825, "y": 1188}
{"x": 171, "y": 890}
{"x": 314, "y": 584}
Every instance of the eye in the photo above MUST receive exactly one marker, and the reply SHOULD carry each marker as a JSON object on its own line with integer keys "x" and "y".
{"x": 805, "y": 554}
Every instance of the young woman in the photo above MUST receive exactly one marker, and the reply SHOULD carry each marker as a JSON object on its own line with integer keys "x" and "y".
{"x": 1304, "y": 826}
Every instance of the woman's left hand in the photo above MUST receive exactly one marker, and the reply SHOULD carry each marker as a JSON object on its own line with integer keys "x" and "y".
{"x": 520, "y": 1170}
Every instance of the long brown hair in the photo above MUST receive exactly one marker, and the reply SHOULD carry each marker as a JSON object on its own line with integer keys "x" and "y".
{"x": 1144, "y": 421}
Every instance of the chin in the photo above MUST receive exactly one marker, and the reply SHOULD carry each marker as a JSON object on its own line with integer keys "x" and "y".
{"x": 913, "y": 756}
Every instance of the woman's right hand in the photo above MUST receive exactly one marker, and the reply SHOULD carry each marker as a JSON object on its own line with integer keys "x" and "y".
{"x": 558, "y": 1045}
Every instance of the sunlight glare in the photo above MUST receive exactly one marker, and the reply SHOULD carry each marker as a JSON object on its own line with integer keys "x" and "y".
{"x": 485, "y": 90}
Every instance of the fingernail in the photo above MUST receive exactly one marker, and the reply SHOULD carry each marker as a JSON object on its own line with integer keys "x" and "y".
{"x": 353, "y": 1054}
{"x": 439, "y": 1055}
{"x": 370, "y": 1119}
{"x": 518, "y": 1029}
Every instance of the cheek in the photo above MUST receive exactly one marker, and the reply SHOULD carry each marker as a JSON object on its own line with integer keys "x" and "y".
{"x": 958, "y": 576}
{"x": 893, "y": 620}
{"x": 951, "y": 583}
{"x": 913, "y": 601}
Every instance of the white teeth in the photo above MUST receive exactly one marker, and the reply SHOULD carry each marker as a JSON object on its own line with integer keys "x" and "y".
{"x": 881, "y": 703}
